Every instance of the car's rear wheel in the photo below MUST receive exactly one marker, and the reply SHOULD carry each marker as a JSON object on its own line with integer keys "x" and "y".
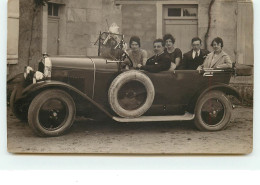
{"x": 131, "y": 94}
{"x": 213, "y": 111}
{"x": 51, "y": 113}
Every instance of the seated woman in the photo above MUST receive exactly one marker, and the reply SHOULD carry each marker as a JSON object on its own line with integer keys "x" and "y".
{"x": 218, "y": 58}
{"x": 174, "y": 53}
{"x": 136, "y": 54}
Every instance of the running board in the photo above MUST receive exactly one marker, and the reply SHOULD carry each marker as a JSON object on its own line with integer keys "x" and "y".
{"x": 187, "y": 116}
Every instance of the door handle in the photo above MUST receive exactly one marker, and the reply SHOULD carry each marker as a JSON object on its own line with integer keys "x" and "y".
{"x": 208, "y": 74}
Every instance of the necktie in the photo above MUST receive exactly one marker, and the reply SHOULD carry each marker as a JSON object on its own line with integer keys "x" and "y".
{"x": 197, "y": 54}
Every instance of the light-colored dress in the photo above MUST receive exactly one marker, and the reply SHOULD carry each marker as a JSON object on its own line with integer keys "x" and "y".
{"x": 137, "y": 57}
{"x": 222, "y": 60}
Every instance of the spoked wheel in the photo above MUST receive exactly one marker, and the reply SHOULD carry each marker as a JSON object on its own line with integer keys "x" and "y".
{"x": 51, "y": 113}
{"x": 213, "y": 111}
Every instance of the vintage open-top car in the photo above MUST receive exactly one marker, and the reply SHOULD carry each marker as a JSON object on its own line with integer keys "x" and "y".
{"x": 99, "y": 87}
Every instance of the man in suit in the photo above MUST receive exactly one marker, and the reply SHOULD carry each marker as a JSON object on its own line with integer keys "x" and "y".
{"x": 161, "y": 61}
{"x": 195, "y": 57}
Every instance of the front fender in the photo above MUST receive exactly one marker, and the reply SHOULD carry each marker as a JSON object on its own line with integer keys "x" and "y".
{"x": 34, "y": 89}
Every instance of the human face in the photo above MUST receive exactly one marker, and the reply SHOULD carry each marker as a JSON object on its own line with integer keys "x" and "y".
{"x": 168, "y": 44}
{"x": 134, "y": 46}
{"x": 158, "y": 48}
{"x": 196, "y": 45}
{"x": 217, "y": 47}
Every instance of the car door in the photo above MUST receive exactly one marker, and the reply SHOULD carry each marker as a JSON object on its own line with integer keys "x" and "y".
{"x": 175, "y": 89}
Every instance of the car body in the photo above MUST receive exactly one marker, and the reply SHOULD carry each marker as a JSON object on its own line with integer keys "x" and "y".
{"x": 99, "y": 87}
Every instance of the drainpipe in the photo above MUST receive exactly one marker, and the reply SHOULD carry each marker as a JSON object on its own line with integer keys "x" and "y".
{"x": 209, "y": 24}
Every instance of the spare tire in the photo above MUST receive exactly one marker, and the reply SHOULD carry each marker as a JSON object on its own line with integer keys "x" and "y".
{"x": 131, "y": 94}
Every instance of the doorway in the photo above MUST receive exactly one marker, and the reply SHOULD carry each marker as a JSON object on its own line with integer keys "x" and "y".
{"x": 182, "y": 22}
{"x": 53, "y": 29}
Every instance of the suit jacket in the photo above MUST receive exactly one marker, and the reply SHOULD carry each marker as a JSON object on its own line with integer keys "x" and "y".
{"x": 158, "y": 63}
{"x": 190, "y": 63}
{"x": 222, "y": 60}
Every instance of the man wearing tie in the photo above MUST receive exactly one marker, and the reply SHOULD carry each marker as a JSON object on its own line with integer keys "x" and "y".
{"x": 195, "y": 57}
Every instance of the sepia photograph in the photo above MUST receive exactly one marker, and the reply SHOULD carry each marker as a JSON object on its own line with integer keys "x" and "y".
{"x": 130, "y": 77}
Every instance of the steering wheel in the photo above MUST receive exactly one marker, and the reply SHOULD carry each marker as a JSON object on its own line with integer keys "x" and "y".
{"x": 124, "y": 56}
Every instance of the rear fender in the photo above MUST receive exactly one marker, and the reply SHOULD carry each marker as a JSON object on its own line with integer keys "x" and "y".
{"x": 32, "y": 90}
{"x": 228, "y": 90}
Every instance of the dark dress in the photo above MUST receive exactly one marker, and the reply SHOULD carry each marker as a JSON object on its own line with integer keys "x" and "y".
{"x": 175, "y": 54}
{"x": 190, "y": 63}
{"x": 158, "y": 63}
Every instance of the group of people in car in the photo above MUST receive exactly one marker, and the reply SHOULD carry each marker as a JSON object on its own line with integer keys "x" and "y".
{"x": 167, "y": 57}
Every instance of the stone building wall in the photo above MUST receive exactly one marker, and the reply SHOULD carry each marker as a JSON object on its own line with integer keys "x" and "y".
{"x": 25, "y": 31}
{"x": 140, "y": 19}
{"x": 79, "y": 27}
{"x": 83, "y": 22}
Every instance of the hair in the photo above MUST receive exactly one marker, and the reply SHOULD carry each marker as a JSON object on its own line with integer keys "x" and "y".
{"x": 134, "y": 39}
{"x": 159, "y": 40}
{"x": 196, "y": 39}
{"x": 218, "y": 40}
{"x": 168, "y": 36}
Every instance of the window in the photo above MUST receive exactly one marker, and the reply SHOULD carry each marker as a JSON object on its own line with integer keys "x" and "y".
{"x": 189, "y": 12}
{"x": 181, "y": 11}
{"x": 53, "y": 9}
{"x": 173, "y": 12}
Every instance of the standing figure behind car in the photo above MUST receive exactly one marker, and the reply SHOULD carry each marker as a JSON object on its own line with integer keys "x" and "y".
{"x": 218, "y": 58}
{"x": 160, "y": 61}
{"x": 174, "y": 53}
{"x": 194, "y": 58}
{"x": 136, "y": 54}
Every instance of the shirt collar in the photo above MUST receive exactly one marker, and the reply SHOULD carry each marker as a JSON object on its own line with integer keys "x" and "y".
{"x": 194, "y": 53}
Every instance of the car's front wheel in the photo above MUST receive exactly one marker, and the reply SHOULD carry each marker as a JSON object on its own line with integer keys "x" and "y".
{"x": 19, "y": 108}
{"x": 213, "y": 111}
{"x": 51, "y": 113}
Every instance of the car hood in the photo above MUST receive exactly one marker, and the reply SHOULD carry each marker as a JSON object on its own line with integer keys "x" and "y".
{"x": 73, "y": 62}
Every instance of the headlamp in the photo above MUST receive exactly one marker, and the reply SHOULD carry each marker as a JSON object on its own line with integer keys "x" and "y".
{"x": 38, "y": 76}
{"x": 27, "y": 71}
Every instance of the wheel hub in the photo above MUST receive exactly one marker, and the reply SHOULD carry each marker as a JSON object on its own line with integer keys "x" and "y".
{"x": 212, "y": 112}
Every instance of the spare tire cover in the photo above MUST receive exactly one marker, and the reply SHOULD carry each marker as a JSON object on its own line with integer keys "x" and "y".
{"x": 131, "y": 94}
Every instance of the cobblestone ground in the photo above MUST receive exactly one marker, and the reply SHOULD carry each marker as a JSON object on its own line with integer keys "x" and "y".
{"x": 136, "y": 138}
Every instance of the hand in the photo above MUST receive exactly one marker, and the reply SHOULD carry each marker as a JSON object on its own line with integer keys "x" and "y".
{"x": 139, "y": 66}
{"x": 124, "y": 46}
{"x": 199, "y": 68}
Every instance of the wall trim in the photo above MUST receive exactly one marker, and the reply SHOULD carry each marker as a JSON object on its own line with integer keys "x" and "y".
{"x": 121, "y": 2}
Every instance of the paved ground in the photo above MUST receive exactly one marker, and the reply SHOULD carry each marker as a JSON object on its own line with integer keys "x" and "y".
{"x": 138, "y": 138}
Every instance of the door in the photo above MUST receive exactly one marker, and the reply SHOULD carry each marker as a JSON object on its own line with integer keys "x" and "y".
{"x": 181, "y": 21}
{"x": 53, "y": 29}
{"x": 53, "y": 36}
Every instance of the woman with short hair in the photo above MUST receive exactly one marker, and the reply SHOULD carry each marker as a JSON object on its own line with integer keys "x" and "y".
{"x": 217, "y": 58}
{"x": 136, "y": 54}
{"x": 174, "y": 53}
